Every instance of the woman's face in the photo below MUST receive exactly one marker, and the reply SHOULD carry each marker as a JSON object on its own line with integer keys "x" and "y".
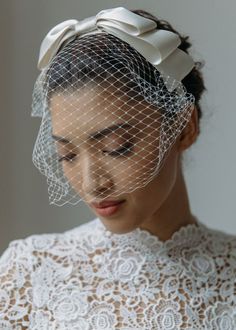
{"x": 115, "y": 164}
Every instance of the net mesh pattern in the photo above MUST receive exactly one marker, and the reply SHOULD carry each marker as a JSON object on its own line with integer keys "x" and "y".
{"x": 108, "y": 120}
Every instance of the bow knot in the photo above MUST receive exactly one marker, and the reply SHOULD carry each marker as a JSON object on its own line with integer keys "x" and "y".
{"x": 159, "y": 47}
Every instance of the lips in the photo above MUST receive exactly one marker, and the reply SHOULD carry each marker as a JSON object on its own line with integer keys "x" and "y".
{"x": 107, "y": 208}
{"x": 106, "y": 203}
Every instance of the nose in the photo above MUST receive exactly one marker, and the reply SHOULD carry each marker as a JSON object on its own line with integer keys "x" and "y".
{"x": 96, "y": 180}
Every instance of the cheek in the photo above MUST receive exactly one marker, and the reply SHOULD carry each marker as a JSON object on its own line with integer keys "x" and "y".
{"x": 150, "y": 197}
{"x": 139, "y": 169}
{"x": 72, "y": 175}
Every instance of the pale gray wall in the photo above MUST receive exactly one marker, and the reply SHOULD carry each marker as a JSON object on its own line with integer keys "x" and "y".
{"x": 210, "y": 164}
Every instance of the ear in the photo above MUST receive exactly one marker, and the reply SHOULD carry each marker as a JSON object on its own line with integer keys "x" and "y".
{"x": 190, "y": 132}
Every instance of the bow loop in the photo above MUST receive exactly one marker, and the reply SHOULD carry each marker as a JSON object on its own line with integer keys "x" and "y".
{"x": 159, "y": 47}
{"x": 124, "y": 20}
{"x": 86, "y": 25}
{"x": 53, "y": 40}
{"x": 62, "y": 28}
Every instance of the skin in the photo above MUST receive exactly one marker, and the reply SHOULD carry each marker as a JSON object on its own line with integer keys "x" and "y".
{"x": 162, "y": 206}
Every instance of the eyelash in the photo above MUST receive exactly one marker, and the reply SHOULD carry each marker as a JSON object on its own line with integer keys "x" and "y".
{"x": 67, "y": 158}
{"x": 124, "y": 150}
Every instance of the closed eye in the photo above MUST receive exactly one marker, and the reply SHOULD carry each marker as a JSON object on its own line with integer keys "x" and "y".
{"x": 68, "y": 157}
{"x": 124, "y": 150}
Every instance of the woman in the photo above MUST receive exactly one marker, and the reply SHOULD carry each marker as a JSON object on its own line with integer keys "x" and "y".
{"x": 119, "y": 99}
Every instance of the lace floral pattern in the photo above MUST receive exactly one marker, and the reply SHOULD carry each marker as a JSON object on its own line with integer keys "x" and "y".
{"x": 88, "y": 278}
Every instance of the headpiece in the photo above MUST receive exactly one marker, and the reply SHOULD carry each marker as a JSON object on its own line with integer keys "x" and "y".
{"x": 112, "y": 104}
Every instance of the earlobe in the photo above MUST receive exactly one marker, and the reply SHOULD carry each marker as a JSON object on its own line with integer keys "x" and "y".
{"x": 190, "y": 132}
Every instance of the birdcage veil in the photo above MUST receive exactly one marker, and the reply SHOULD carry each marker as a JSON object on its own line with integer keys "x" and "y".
{"x": 111, "y": 104}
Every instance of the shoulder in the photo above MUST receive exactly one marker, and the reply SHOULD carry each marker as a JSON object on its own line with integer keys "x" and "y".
{"x": 217, "y": 241}
{"x": 20, "y": 250}
{"x": 220, "y": 241}
{"x": 220, "y": 247}
{"x": 32, "y": 266}
{"x": 215, "y": 266}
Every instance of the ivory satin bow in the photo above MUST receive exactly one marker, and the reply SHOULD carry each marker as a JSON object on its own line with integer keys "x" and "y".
{"x": 159, "y": 47}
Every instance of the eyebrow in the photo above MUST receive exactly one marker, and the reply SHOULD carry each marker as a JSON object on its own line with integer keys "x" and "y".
{"x": 97, "y": 135}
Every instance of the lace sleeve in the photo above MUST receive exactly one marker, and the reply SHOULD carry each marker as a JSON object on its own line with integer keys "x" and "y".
{"x": 15, "y": 287}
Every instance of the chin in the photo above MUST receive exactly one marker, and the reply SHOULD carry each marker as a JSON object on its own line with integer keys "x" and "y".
{"x": 117, "y": 226}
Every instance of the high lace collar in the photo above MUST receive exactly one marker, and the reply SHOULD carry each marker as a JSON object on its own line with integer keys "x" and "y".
{"x": 188, "y": 235}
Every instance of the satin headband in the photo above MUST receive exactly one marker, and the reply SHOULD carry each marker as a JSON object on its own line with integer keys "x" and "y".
{"x": 159, "y": 47}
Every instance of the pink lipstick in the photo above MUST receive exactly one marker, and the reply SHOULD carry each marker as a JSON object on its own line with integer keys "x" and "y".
{"x": 107, "y": 208}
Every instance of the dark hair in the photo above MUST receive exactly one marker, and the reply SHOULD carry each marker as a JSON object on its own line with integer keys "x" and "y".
{"x": 76, "y": 63}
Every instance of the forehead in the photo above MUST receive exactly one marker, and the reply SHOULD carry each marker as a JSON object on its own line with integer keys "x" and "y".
{"x": 92, "y": 109}
{"x": 89, "y": 102}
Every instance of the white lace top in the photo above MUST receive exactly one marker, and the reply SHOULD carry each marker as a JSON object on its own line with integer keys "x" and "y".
{"x": 88, "y": 278}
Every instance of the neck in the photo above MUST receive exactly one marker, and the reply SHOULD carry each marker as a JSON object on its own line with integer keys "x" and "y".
{"x": 174, "y": 212}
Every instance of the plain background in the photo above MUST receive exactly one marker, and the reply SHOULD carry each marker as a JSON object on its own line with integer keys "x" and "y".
{"x": 209, "y": 164}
